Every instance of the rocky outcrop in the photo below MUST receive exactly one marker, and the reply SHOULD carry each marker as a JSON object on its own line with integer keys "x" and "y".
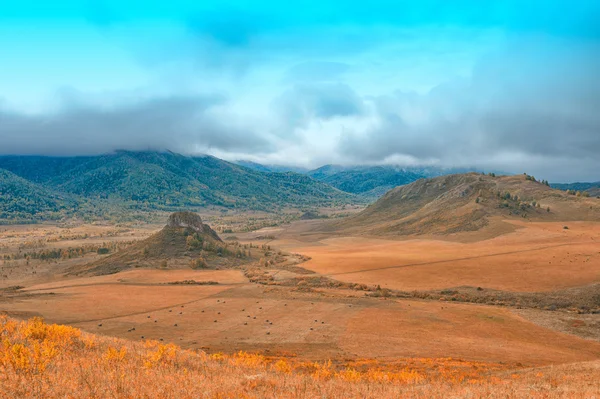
{"x": 192, "y": 221}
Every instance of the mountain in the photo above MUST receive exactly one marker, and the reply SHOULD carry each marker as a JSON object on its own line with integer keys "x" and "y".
{"x": 22, "y": 200}
{"x": 271, "y": 168}
{"x": 254, "y": 166}
{"x": 465, "y": 202}
{"x": 374, "y": 181}
{"x": 185, "y": 242}
{"x": 593, "y": 189}
{"x": 169, "y": 181}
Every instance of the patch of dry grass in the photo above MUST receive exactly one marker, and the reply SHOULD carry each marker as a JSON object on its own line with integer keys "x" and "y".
{"x": 48, "y": 361}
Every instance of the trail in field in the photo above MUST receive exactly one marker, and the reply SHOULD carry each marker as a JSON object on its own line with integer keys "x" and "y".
{"x": 452, "y": 260}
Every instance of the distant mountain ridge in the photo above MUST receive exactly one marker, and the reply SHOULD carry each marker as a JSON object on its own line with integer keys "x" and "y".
{"x": 368, "y": 181}
{"x": 593, "y": 189}
{"x": 372, "y": 181}
{"x": 160, "y": 180}
{"x": 35, "y": 188}
{"x": 271, "y": 168}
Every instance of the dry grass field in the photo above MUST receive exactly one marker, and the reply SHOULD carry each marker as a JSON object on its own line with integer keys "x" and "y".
{"x": 233, "y": 316}
{"x": 48, "y": 361}
{"x": 317, "y": 315}
{"x": 535, "y": 257}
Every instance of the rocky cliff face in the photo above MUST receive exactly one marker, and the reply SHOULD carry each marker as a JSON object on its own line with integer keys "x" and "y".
{"x": 190, "y": 220}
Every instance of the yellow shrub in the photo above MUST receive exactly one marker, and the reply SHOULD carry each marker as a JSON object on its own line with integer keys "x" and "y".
{"x": 322, "y": 370}
{"x": 18, "y": 356}
{"x": 282, "y": 366}
{"x": 349, "y": 375}
{"x": 248, "y": 359}
{"x": 114, "y": 355}
{"x": 164, "y": 355}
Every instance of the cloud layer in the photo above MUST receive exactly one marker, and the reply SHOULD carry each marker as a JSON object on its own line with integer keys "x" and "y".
{"x": 184, "y": 124}
{"x": 494, "y": 84}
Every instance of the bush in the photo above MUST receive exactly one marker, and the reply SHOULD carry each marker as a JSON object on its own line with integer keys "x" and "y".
{"x": 193, "y": 242}
{"x": 199, "y": 263}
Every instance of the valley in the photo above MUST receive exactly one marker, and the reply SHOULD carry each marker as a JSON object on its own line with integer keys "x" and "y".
{"x": 517, "y": 294}
{"x": 312, "y": 304}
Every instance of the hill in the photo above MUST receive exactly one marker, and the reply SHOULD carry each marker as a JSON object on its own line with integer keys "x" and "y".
{"x": 21, "y": 200}
{"x": 465, "y": 202}
{"x": 374, "y": 181}
{"x": 271, "y": 168}
{"x": 169, "y": 181}
{"x": 184, "y": 242}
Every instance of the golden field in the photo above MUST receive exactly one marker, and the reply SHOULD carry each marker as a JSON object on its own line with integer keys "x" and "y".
{"x": 309, "y": 315}
{"x": 48, "y": 361}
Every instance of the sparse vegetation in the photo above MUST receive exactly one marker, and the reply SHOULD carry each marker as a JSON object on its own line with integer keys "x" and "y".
{"x": 444, "y": 205}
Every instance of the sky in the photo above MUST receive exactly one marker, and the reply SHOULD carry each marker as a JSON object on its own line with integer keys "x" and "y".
{"x": 498, "y": 84}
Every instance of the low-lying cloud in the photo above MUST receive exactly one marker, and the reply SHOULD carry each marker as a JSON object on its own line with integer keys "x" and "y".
{"x": 183, "y": 124}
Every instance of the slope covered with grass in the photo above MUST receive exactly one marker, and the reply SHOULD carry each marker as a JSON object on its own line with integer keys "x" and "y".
{"x": 39, "y": 360}
{"x": 466, "y": 202}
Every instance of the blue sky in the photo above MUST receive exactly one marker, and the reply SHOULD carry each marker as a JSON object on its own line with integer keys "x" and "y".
{"x": 509, "y": 85}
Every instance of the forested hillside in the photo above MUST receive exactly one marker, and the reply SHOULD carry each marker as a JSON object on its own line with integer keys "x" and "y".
{"x": 152, "y": 180}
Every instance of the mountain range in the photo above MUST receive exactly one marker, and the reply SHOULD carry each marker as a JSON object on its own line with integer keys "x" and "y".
{"x": 35, "y": 188}
{"x": 53, "y": 186}
{"x": 368, "y": 181}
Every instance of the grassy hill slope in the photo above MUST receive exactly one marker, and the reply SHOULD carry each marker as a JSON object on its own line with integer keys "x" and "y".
{"x": 51, "y": 361}
{"x": 465, "y": 202}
